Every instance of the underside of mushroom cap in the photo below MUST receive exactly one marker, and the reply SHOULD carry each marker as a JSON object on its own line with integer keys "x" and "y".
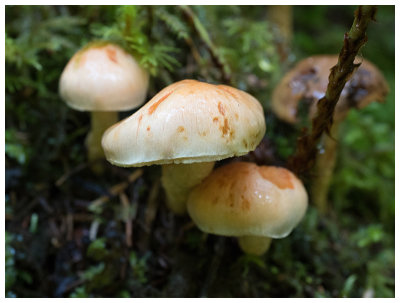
{"x": 188, "y": 121}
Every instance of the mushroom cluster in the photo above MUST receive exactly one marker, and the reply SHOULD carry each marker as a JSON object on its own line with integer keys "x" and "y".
{"x": 102, "y": 78}
{"x": 186, "y": 127}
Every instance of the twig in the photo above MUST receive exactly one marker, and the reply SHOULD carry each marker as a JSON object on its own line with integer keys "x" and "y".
{"x": 127, "y": 218}
{"x": 25, "y": 211}
{"x": 73, "y": 285}
{"x": 203, "y": 34}
{"x": 182, "y": 231}
{"x": 219, "y": 249}
{"x": 68, "y": 174}
{"x": 94, "y": 227}
{"x": 193, "y": 49}
{"x": 45, "y": 205}
{"x": 152, "y": 205}
{"x": 116, "y": 189}
{"x": 70, "y": 226}
{"x": 150, "y": 213}
{"x": 306, "y": 152}
{"x": 197, "y": 57}
{"x": 83, "y": 217}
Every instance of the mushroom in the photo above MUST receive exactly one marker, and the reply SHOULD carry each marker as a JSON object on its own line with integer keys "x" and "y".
{"x": 185, "y": 128}
{"x": 254, "y": 203}
{"x": 102, "y": 78}
{"x": 304, "y": 85}
{"x": 308, "y": 81}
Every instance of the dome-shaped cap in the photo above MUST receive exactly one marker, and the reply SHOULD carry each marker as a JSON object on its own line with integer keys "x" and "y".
{"x": 188, "y": 121}
{"x": 243, "y": 199}
{"x": 103, "y": 77}
{"x": 309, "y": 79}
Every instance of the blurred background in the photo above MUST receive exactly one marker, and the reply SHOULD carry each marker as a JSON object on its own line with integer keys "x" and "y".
{"x": 62, "y": 242}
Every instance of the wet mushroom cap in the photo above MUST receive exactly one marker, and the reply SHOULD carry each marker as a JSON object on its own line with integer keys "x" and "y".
{"x": 243, "y": 199}
{"x": 103, "y": 77}
{"x": 309, "y": 79}
{"x": 186, "y": 122}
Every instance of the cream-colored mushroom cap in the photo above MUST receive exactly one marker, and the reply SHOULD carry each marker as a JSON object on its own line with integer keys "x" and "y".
{"x": 103, "y": 77}
{"x": 188, "y": 121}
{"x": 243, "y": 199}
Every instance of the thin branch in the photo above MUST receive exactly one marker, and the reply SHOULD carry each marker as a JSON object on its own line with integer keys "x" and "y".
{"x": 116, "y": 190}
{"x": 304, "y": 158}
{"x": 70, "y": 173}
{"x": 127, "y": 217}
{"x": 150, "y": 212}
{"x": 203, "y": 34}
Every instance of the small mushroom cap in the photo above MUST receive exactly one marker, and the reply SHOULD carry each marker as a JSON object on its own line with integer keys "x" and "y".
{"x": 243, "y": 199}
{"x": 309, "y": 79}
{"x": 188, "y": 121}
{"x": 103, "y": 77}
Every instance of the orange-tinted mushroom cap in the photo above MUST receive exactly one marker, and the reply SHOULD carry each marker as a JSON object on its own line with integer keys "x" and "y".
{"x": 243, "y": 199}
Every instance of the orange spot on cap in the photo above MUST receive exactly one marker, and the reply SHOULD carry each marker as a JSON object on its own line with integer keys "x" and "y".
{"x": 140, "y": 120}
{"x": 228, "y": 90}
{"x": 156, "y": 104}
{"x": 225, "y": 128}
{"x": 221, "y": 109}
{"x": 277, "y": 175}
{"x": 111, "y": 54}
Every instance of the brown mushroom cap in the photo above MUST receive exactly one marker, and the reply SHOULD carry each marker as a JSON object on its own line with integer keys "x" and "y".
{"x": 188, "y": 121}
{"x": 309, "y": 79}
{"x": 243, "y": 199}
{"x": 103, "y": 77}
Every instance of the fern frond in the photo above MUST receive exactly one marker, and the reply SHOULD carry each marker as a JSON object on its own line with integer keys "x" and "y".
{"x": 128, "y": 31}
{"x": 175, "y": 24}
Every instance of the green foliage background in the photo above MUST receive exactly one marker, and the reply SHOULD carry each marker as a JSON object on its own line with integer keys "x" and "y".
{"x": 348, "y": 253}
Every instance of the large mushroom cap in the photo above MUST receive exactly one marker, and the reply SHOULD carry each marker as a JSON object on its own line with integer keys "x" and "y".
{"x": 188, "y": 121}
{"x": 309, "y": 79}
{"x": 243, "y": 199}
{"x": 103, "y": 77}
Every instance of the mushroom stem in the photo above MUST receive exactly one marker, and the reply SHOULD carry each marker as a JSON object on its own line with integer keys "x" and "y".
{"x": 179, "y": 179}
{"x": 325, "y": 164}
{"x": 100, "y": 120}
{"x": 254, "y": 245}
{"x": 282, "y": 17}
